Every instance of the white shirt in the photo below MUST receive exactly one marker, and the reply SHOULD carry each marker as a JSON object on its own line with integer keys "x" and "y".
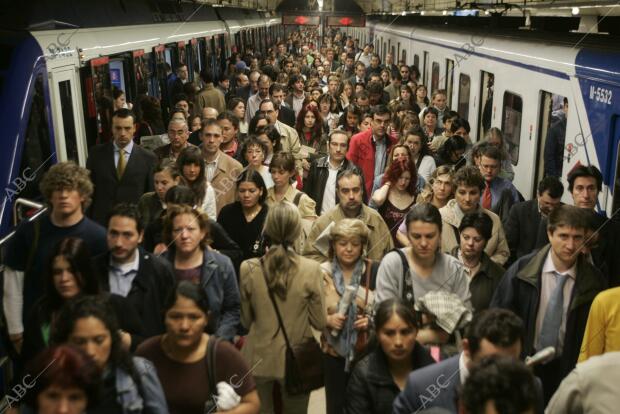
{"x": 329, "y": 194}
{"x": 548, "y": 283}
{"x": 211, "y": 167}
{"x": 208, "y": 204}
{"x": 128, "y": 148}
{"x": 121, "y": 276}
{"x": 298, "y": 103}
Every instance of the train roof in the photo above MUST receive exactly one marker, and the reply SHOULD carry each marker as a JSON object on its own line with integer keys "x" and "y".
{"x": 557, "y": 59}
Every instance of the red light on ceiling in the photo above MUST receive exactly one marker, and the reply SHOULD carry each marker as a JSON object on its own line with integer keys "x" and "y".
{"x": 301, "y": 19}
{"x": 345, "y": 21}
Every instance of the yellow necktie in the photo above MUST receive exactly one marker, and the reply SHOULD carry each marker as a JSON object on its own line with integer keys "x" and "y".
{"x": 120, "y": 167}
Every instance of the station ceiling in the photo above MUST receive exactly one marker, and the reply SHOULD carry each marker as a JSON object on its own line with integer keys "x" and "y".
{"x": 554, "y": 8}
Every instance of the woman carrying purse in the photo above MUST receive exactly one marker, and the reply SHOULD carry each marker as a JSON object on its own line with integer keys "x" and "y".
{"x": 347, "y": 278}
{"x": 281, "y": 298}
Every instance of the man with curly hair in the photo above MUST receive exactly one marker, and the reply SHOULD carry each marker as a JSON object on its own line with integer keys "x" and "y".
{"x": 67, "y": 190}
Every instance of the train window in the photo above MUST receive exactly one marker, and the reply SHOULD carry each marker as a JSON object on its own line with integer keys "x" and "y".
{"x": 36, "y": 150}
{"x": 435, "y": 77}
{"x": 486, "y": 113}
{"x": 463, "y": 103}
{"x": 404, "y": 55}
{"x": 398, "y": 50}
{"x": 550, "y": 113}
{"x": 425, "y": 70}
{"x": 416, "y": 60}
{"x": 449, "y": 80}
{"x": 511, "y": 124}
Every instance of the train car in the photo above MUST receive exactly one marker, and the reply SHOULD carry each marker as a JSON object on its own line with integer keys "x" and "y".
{"x": 56, "y": 77}
{"x": 518, "y": 84}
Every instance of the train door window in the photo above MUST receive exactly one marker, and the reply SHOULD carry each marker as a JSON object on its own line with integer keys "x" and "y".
{"x": 449, "y": 80}
{"x": 65, "y": 110}
{"x": 435, "y": 77}
{"x": 398, "y": 50}
{"x": 511, "y": 124}
{"x": 425, "y": 70}
{"x": 36, "y": 152}
{"x": 463, "y": 103}
{"x": 485, "y": 109}
{"x": 404, "y": 56}
{"x": 390, "y": 49}
{"x": 550, "y": 113}
{"x": 416, "y": 61}
{"x": 384, "y": 52}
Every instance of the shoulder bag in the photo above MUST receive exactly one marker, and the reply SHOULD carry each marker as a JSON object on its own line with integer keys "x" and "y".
{"x": 303, "y": 370}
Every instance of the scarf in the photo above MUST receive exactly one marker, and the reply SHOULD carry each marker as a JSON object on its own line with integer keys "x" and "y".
{"x": 344, "y": 341}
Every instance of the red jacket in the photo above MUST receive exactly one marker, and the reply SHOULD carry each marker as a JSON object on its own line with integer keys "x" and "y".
{"x": 362, "y": 153}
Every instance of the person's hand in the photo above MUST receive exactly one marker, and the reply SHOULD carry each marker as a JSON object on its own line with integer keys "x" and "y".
{"x": 432, "y": 336}
{"x": 125, "y": 339}
{"x": 344, "y": 98}
{"x": 305, "y": 164}
{"x": 336, "y": 321}
{"x": 361, "y": 324}
{"x": 17, "y": 340}
{"x": 160, "y": 248}
{"x": 227, "y": 398}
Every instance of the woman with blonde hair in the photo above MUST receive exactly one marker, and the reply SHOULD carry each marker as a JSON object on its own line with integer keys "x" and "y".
{"x": 345, "y": 334}
{"x": 280, "y": 286}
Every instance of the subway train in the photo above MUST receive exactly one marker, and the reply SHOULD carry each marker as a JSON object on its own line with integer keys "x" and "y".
{"x": 518, "y": 82}
{"x": 53, "y": 75}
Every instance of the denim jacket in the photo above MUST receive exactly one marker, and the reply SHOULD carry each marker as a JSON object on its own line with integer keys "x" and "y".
{"x": 219, "y": 281}
{"x": 149, "y": 398}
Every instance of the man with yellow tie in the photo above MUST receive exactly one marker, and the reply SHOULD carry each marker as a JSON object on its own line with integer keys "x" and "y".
{"x": 120, "y": 170}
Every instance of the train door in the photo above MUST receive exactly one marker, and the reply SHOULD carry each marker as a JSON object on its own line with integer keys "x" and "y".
{"x": 67, "y": 113}
{"x": 550, "y": 105}
{"x": 486, "y": 111}
{"x": 449, "y": 80}
{"x": 615, "y": 184}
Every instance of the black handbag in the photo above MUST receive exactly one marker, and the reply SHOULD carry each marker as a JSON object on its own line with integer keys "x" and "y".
{"x": 303, "y": 370}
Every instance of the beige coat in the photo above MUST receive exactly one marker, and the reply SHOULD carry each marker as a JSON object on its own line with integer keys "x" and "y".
{"x": 289, "y": 139}
{"x": 497, "y": 246}
{"x": 210, "y": 97}
{"x": 264, "y": 348}
{"x": 225, "y": 180}
{"x": 379, "y": 243}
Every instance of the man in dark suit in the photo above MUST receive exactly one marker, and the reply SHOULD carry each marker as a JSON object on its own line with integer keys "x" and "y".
{"x": 286, "y": 115}
{"x": 492, "y": 332}
{"x": 119, "y": 170}
{"x": 526, "y": 224}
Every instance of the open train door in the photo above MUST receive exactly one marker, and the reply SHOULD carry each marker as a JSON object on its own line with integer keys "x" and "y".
{"x": 67, "y": 112}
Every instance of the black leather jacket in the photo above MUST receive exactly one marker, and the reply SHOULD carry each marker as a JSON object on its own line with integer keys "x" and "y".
{"x": 314, "y": 184}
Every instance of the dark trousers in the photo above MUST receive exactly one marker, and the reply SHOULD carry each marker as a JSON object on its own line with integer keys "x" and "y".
{"x": 335, "y": 384}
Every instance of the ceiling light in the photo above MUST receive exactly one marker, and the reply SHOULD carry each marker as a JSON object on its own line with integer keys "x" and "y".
{"x": 422, "y": 13}
{"x": 575, "y": 11}
{"x": 445, "y": 12}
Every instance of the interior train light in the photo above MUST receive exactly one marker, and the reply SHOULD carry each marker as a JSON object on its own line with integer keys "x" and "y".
{"x": 445, "y": 12}
{"x": 575, "y": 11}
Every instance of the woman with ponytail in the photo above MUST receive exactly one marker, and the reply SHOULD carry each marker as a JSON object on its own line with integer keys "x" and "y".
{"x": 295, "y": 286}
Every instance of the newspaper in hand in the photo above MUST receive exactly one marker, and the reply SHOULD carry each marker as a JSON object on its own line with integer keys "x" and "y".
{"x": 349, "y": 296}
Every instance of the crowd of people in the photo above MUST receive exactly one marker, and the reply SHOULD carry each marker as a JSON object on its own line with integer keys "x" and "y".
{"x": 311, "y": 201}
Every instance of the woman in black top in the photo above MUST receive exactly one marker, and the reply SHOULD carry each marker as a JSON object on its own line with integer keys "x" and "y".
{"x": 381, "y": 375}
{"x": 243, "y": 220}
